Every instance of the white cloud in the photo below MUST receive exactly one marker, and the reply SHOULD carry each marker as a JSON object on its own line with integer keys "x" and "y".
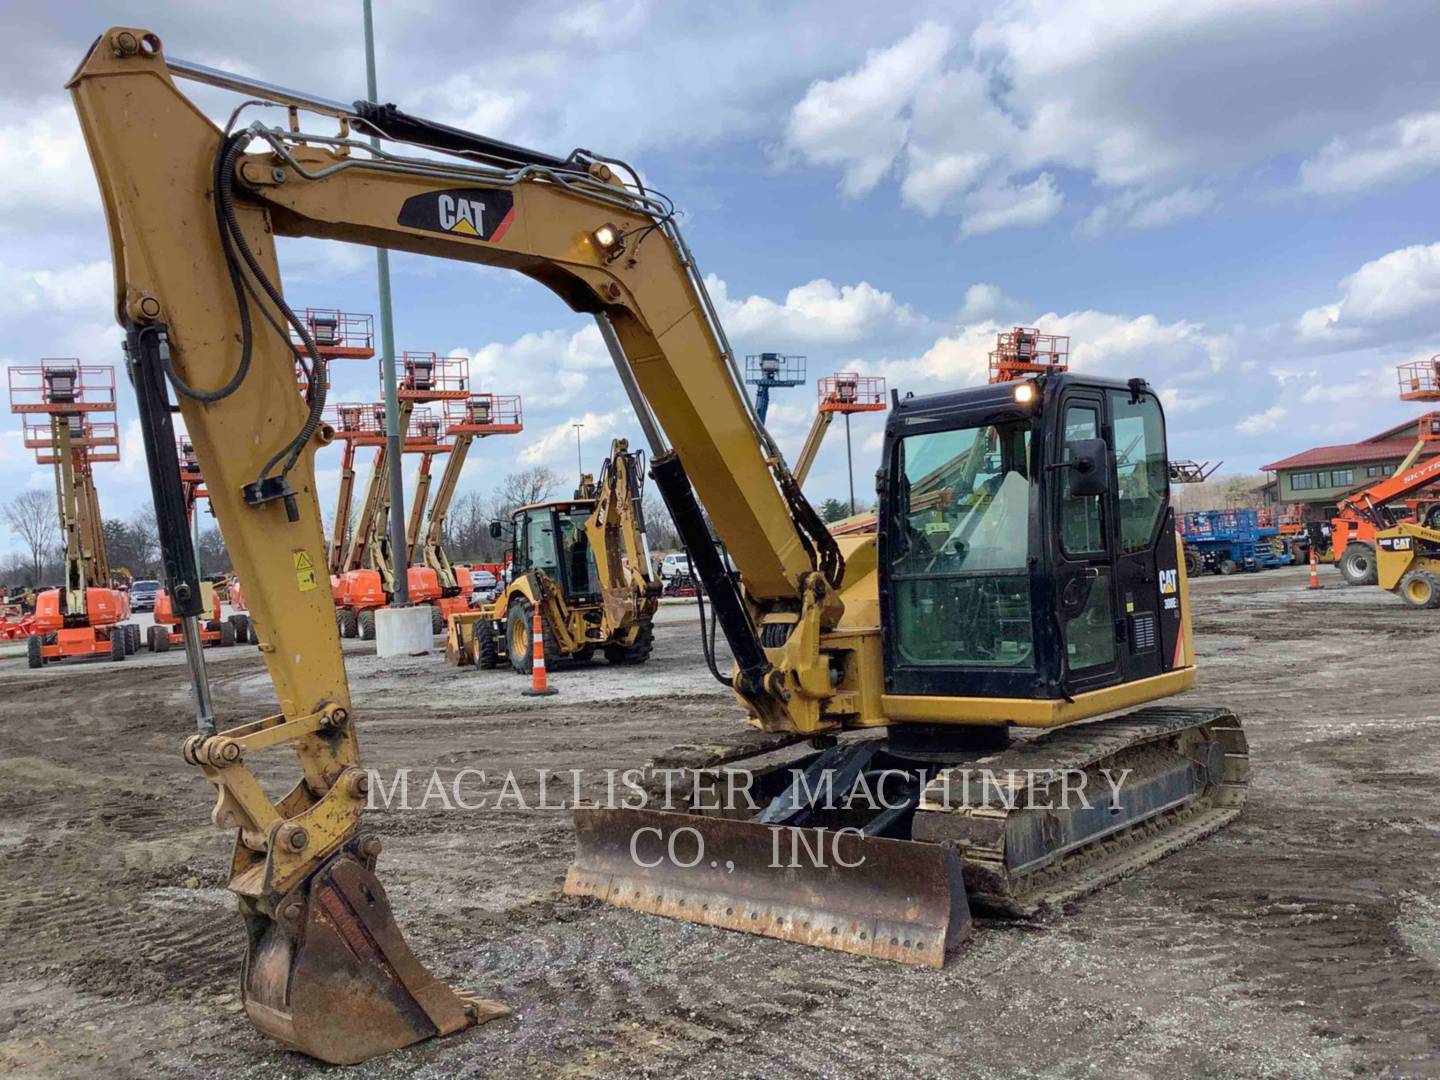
{"x": 1367, "y": 383}
{"x": 1157, "y": 102}
{"x": 310, "y": 261}
{"x": 1177, "y": 402}
{"x": 1143, "y": 346}
{"x": 1258, "y": 423}
{"x": 558, "y": 360}
{"x": 68, "y": 289}
{"x": 556, "y": 444}
{"x": 1400, "y": 150}
{"x": 43, "y": 160}
{"x": 1003, "y": 206}
{"x": 982, "y": 301}
{"x": 818, "y": 312}
{"x": 1390, "y": 299}
{"x": 860, "y": 121}
{"x": 1179, "y": 204}
{"x": 1118, "y": 346}
{"x": 464, "y": 101}
{"x": 1139, "y": 209}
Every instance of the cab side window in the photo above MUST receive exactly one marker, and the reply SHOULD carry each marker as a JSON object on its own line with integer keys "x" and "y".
{"x": 1080, "y": 525}
{"x": 1141, "y": 468}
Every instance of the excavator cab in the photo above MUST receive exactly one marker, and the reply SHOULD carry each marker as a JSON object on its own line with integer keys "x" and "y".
{"x": 1027, "y": 547}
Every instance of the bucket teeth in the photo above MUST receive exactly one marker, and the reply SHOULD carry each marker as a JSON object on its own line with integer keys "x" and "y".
{"x": 332, "y": 977}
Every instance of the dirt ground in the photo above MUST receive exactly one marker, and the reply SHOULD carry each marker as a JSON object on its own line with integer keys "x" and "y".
{"x": 1302, "y": 940}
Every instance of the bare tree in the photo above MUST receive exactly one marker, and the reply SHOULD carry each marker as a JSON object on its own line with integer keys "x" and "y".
{"x": 521, "y": 489}
{"x": 145, "y": 536}
{"x": 34, "y": 521}
{"x": 466, "y": 534}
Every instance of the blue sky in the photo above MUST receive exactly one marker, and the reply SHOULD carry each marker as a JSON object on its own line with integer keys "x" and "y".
{"x": 1232, "y": 199}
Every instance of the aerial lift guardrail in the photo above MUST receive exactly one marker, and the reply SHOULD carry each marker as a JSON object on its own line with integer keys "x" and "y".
{"x": 477, "y": 417}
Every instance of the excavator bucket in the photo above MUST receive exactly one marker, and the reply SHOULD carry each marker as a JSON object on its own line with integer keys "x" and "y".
{"x": 892, "y": 899}
{"x": 332, "y": 976}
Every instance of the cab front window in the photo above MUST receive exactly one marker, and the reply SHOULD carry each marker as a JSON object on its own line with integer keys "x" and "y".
{"x": 960, "y": 548}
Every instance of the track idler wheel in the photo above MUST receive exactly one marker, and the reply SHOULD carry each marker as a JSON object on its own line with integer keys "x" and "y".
{"x": 332, "y": 977}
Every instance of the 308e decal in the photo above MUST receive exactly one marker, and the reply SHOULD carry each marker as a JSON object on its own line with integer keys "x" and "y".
{"x": 478, "y": 213}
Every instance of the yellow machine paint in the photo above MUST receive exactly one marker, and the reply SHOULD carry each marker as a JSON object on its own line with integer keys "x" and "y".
{"x": 1407, "y": 563}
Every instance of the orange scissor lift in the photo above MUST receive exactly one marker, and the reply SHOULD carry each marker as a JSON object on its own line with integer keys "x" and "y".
{"x": 85, "y": 616}
{"x": 841, "y": 394}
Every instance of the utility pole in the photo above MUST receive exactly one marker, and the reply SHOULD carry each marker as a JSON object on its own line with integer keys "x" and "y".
{"x": 850, "y": 464}
{"x": 579, "y": 461}
{"x": 399, "y": 556}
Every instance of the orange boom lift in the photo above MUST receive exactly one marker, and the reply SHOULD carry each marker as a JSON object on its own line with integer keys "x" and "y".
{"x": 85, "y": 616}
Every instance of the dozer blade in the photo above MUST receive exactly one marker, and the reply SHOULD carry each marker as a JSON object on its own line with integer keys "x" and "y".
{"x": 333, "y": 978}
{"x": 891, "y": 899}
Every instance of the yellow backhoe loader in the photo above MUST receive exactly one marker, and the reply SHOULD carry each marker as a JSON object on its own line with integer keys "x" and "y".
{"x": 1036, "y": 583}
{"x": 586, "y": 562}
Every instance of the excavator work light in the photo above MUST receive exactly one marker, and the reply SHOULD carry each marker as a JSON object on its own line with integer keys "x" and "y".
{"x": 606, "y": 237}
{"x": 1025, "y": 393}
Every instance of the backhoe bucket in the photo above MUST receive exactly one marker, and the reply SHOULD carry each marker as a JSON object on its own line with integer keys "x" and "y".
{"x": 892, "y": 899}
{"x": 333, "y": 978}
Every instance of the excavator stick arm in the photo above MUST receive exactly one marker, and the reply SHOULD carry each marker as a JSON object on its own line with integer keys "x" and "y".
{"x": 179, "y": 292}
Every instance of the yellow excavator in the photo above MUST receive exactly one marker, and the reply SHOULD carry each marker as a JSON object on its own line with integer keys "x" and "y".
{"x": 586, "y": 562}
{"x": 1021, "y": 579}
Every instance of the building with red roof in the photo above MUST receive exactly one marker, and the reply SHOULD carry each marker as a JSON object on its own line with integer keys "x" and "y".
{"x": 1317, "y": 478}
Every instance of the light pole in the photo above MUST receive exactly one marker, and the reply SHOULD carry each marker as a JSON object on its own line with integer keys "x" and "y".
{"x": 579, "y": 461}
{"x": 399, "y": 556}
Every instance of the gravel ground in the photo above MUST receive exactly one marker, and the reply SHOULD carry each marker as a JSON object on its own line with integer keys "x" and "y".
{"x": 1303, "y": 940}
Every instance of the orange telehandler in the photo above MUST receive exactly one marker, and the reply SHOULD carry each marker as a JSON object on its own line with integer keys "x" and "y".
{"x": 1362, "y": 515}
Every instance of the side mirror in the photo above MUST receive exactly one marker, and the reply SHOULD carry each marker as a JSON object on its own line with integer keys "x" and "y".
{"x": 497, "y": 530}
{"x": 1089, "y": 466}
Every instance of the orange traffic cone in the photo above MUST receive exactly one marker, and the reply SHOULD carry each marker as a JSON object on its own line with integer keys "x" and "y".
{"x": 1314, "y": 569}
{"x": 539, "y": 685}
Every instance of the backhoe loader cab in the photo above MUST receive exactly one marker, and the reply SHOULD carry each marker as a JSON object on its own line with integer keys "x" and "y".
{"x": 550, "y": 538}
{"x": 1021, "y": 556}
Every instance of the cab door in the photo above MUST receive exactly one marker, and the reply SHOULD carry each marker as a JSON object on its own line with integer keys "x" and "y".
{"x": 1144, "y": 534}
{"x": 1084, "y": 555}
